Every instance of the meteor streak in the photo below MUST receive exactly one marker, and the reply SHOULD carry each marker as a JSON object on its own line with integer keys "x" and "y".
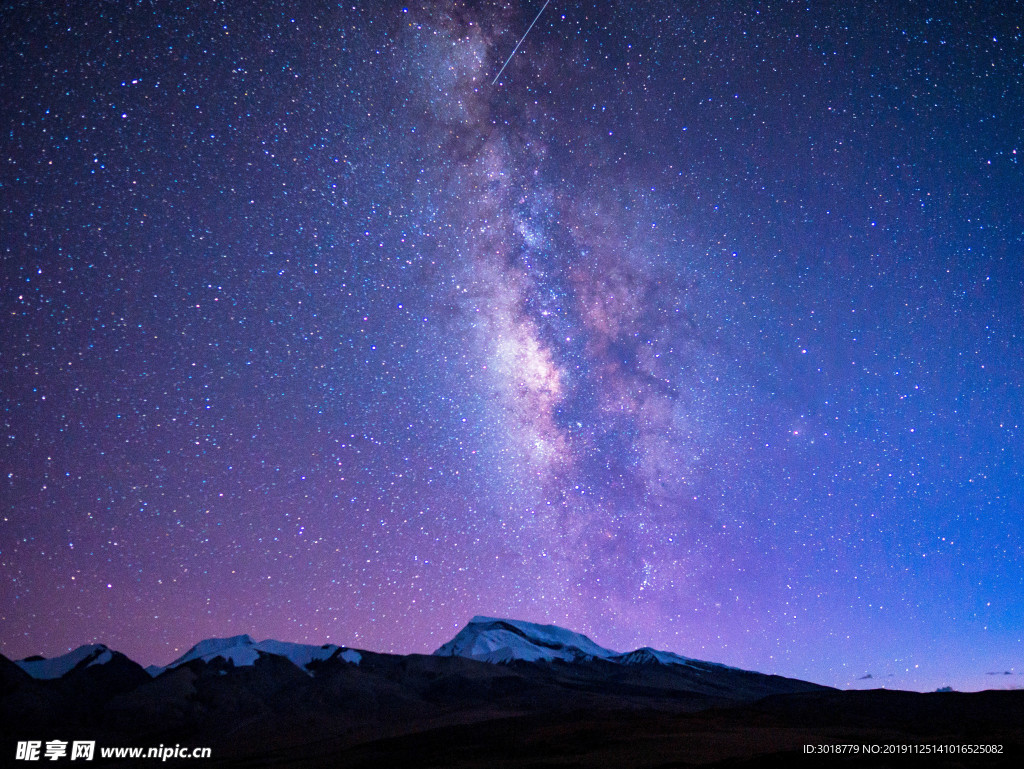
{"x": 520, "y": 42}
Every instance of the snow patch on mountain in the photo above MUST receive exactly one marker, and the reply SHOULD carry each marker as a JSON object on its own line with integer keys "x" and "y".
{"x": 649, "y": 656}
{"x": 102, "y": 659}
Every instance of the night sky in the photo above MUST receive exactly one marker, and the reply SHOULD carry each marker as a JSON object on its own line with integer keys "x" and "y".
{"x": 702, "y": 328}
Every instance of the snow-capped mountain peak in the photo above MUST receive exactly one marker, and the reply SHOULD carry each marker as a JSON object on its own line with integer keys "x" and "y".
{"x": 214, "y": 647}
{"x": 55, "y": 667}
{"x": 490, "y": 639}
{"x": 242, "y": 651}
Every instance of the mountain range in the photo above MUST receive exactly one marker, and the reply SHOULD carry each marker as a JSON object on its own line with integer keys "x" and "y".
{"x": 485, "y": 639}
{"x": 498, "y": 688}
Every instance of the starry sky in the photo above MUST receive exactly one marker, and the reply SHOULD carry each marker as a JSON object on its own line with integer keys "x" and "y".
{"x": 700, "y": 328}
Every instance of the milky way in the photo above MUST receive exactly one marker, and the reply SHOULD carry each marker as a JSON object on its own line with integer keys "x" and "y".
{"x": 697, "y": 328}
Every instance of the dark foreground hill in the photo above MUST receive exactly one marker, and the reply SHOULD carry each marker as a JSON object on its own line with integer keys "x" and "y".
{"x": 884, "y": 728}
